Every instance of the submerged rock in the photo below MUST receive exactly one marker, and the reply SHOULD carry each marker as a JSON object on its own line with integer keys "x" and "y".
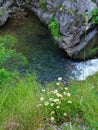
{"x": 78, "y": 36}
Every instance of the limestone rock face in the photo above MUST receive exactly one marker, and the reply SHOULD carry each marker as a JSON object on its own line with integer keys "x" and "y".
{"x": 4, "y": 11}
{"x": 78, "y": 34}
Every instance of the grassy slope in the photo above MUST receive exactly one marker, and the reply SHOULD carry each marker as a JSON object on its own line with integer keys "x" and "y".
{"x": 85, "y": 93}
{"x": 19, "y": 105}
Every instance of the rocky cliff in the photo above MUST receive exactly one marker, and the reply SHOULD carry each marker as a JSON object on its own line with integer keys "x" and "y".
{"x": 68, "y": 20}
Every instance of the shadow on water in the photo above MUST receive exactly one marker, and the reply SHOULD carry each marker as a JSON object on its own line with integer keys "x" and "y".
{"x": 43, "y": 55}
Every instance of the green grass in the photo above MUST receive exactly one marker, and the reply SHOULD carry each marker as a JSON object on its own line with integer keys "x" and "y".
{"x": 85, "y": 95}
{"x": 27, "y": 105}
{"x": 19, "y": 101}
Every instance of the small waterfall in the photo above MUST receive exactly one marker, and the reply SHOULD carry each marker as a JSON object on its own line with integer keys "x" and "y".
{"x": 84, "y": 69}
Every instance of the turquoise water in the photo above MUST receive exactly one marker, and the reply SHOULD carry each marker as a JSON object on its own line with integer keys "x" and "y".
{"x": 36, "y": 44}
{"x": 44, "y": 56}
{"x": 42, "y": 53}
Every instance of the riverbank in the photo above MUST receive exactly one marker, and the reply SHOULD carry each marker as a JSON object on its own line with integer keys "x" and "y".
{"x": 27, "y": 105}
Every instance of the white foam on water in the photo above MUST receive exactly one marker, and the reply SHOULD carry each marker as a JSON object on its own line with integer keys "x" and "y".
{"x": 84, "y": 69}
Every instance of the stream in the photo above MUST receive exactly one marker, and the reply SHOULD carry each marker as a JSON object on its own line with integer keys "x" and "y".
{"x": 43, "y": 54}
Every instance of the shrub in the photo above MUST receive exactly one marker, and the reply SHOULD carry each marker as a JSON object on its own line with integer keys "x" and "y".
{"x": 9, "y": 55}
{"x": 94, "y": 15}
{"x": 43, "y": 4}
{"x": 54, "y": 27}
{"x": 4, "y": 76}
{"x": 6, "y": 44}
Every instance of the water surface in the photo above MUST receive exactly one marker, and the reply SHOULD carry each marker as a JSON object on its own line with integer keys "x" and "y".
{"x": 43, "y": 54}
